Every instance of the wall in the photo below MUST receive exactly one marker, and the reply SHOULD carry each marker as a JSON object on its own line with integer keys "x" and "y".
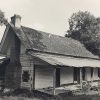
{"x": 95, "y": 74}
{"x": 66, "y": 75}
{"x": 27, "y": 63}
{"x": 88, "y": 74}
{"x": 43, "y": 77}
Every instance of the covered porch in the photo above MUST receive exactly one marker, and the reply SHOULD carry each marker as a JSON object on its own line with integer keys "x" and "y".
{"x": 81, "y": 69}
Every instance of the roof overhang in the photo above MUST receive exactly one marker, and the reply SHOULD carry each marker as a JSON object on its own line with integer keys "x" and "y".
{"x": 66, "y": 61}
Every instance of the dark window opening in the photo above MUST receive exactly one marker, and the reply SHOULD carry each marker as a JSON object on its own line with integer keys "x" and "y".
{"x": 91, "y": 72}
{"x": 25, "y": 76}
{"x": 83, "y": 73}
{"x": 99, "y": 72}
{"x": 77, "y": 74}
{"x": 57, "y": 77}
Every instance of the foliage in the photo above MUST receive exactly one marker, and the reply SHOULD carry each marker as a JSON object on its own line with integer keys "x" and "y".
{"x": 3, "y": 20}
{"x": 84, "y": 27}
{"x": 85, "y": 87}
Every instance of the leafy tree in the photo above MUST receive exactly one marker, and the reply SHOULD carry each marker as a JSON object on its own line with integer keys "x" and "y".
{"x": 84, "y": 27}
{"x": 3, "y": 20}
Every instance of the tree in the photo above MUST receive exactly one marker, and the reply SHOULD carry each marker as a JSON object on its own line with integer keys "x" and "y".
{"x": 84, "y": 27}
{"x": 3, "y": 20}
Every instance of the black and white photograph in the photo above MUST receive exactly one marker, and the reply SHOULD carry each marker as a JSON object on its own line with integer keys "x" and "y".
{"x": 49, "y": 49}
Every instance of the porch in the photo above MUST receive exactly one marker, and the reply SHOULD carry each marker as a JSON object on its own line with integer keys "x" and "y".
{"x": 80, "y": 69}
{"x": 74, "y": 89}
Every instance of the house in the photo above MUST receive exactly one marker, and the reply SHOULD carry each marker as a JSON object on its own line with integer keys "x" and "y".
{"x": 40, "y": 60}
{"x": 3, "y": 62}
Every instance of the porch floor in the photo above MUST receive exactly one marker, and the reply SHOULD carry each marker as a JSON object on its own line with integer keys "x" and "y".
{"x": 66, "y": 88}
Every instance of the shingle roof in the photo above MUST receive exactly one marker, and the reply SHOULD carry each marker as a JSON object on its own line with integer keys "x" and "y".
{"x": 56, "y": 44}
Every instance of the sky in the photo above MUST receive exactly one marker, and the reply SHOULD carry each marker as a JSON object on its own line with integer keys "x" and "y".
{"x": 47, "y": 15}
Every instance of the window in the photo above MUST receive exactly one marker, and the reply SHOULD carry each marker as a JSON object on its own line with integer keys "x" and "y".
{"x": 83, "y": 73}
{"x": 25, "y": 76}
{"x": 77, "y": 74}
{"x": 91, "y": 72}
{"x": 99, "y": 72}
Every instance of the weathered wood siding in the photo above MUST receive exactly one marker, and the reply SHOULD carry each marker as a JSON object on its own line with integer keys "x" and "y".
{"x": 43, "y": 77}
{"x": 28, "y": 64}
{"x": 66, "y": 75}
{"x": 95, "y": 74}
{"x": 44, "y": 74}
{"x": 88, "y": 74}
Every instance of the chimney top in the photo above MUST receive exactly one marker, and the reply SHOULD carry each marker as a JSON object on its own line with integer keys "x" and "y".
{"x": 16, "y": 21}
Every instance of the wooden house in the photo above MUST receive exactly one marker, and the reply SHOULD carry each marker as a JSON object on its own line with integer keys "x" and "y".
{"x": 40, "y": 60}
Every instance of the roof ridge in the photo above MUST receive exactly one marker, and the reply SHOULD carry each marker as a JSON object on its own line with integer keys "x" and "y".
{"x": 53, "y": 34}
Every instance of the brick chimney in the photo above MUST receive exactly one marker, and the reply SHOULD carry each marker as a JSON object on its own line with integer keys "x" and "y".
{"x": 16, "y": 21}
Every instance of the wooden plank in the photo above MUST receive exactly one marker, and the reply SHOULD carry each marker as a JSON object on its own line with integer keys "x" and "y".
{"x": 80, "y": 74}
{"x": 81, "y": 77}
{"x": 92, "y": 73}
{"x": 34, "y": 77}
{"x": 54, "y": 81}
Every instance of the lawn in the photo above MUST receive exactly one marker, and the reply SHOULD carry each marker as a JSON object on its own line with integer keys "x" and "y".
{"x": 23, "y": 94}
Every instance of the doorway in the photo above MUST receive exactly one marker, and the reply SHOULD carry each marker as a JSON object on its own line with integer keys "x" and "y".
{"x": 76, "y": 75}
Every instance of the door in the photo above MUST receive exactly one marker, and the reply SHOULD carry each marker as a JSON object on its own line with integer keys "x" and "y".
{"x": 57, "y": 77}
{"x": 83, "y": 73}
{"x": 77, "y": 75}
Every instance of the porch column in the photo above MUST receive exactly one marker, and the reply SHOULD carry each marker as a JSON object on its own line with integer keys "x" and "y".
{"x": 92, "y": 74}
{"x": 34, "y": 77}
{"x": 56, "y": 79}
{"x": 80, "y": 74}
{"x": 81, "y": 77}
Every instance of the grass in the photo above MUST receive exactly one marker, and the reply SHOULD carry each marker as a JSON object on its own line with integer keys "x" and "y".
{"x": 24, "y": 94}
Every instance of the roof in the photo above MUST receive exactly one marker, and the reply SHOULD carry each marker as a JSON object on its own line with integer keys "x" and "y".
{"x": 46, "y": 42}
{"x": 66, "y": 61}
{"x": 55, "y": 44}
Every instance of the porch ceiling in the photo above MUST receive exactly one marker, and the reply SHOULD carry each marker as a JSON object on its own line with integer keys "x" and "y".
{"x": 70, "y": 61}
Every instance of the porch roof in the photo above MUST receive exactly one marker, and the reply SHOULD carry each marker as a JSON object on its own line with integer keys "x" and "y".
{"x": 67, "y": 61}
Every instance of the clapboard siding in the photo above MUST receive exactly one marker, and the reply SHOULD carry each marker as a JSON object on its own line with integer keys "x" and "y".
{"x": 95, "y": 74}
{"x": 88, "y": 74}
{"x": 43, "y": 77}
{"x": 66, "y": 75}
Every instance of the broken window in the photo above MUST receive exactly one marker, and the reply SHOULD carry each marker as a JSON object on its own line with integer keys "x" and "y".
{"x": 25, "y": 76}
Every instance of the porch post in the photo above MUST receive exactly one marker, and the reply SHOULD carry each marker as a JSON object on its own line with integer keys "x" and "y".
{"x": 92, "y": 74}
{"x": 54, "y": 81}
{"x": 34, "y": 77}
{"x": 81, "y": 77}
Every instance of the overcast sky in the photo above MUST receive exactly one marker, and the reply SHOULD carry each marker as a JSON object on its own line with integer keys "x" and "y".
{"x": 47, "y": 15}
